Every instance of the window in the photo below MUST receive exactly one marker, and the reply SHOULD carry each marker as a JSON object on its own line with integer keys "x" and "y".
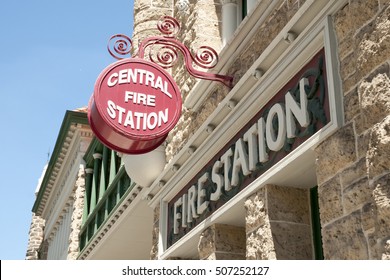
{"x": 316, "y": 224}
{"x": 243, "y": 8}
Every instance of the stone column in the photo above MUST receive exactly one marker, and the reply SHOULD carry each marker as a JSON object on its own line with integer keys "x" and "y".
{"x": 35, "y": 237}
{"x": 155, "y": 234}
{"x": 229, "y": 19}
{"x": 278, "y": 224}
{"x": 77, "y": 215}
{"x": 222, "y": 242}
{"x": 146, "y": 16}
{"x": 200, "y": 26}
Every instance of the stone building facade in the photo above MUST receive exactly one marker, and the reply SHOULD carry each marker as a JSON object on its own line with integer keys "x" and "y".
{"x": 351, "y": 164}
{"x": 289, "y": 162}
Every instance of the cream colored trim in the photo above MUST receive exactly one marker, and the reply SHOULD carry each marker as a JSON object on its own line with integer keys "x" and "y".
{"x": 71, "y": 159}
{"x": 111, "y": 224}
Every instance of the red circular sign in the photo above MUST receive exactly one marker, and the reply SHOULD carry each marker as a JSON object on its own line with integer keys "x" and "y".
{"x": 134, "y": 106}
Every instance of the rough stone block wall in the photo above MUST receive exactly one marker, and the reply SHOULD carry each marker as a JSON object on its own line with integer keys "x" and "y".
{"x": 155, "y": 234}
{"x": 222, "y": 242}
{"x": 200, "y": 26}
{"x": 200, "y": 22}
{"x": 191, "y": 121}
{"x": 278, "y": 224}
{"x": 147, "y": 13}
{"x": 264, "y": 36}
{"x": 77, "y": 215}
{"x": 35, "y": 237}
{"x": 353, "y": 167}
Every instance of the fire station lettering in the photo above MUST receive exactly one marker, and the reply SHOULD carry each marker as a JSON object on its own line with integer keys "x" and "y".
{"x": 247, "y": 152}
{"x": 293, "y": 115}
{"x": 138, "y": 76}
{"x": 136, "y": 120}
{"x": 133, "y": 119}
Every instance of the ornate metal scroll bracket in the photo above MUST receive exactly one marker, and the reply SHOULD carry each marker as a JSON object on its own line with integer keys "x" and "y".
{"x": 164, "y": 50}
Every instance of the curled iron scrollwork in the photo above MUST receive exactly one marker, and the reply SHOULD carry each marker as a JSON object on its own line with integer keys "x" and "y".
{"x": 163, "y": 50}
{"x": 165, "y": 55}
{"x": 119, "y": 46}
{"x": 206, "y": 57}
{"x": 168, "y": 26}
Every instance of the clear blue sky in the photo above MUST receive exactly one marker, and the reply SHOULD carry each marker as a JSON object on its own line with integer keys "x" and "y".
{"x": 51, "y": 52}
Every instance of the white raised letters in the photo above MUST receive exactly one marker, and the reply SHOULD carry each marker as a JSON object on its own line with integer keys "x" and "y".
{"x": 268, "y": 133}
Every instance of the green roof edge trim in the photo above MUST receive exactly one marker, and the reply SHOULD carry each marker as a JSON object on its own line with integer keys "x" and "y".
{"x": 69, "y": 118}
